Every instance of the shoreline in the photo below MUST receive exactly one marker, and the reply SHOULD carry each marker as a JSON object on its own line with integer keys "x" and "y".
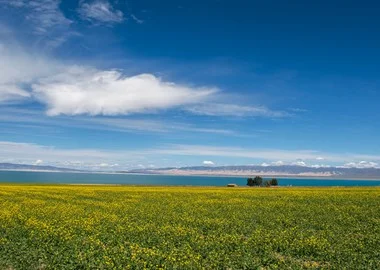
{"x": 296, "y": 177}
{"x": 177, "y": 186}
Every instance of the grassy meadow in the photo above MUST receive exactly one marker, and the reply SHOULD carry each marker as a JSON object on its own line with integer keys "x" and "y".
{"x": 125, "y": 227}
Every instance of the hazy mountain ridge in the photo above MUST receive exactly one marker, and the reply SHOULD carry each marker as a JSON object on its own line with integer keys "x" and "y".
{"x": 283, "y": 170}
{"x": 233, "y": 170}
{"x": 26, "y": 167}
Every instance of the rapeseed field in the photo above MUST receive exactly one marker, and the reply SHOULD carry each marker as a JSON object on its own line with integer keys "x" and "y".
{"x": 126, "y": 227}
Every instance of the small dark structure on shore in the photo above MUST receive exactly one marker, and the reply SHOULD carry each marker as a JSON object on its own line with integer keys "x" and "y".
{"x": 232, "y": 185}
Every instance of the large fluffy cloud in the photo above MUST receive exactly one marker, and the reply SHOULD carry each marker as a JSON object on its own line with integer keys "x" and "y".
{"x": 82, "y": 90}
{"x": 74, "y": 90}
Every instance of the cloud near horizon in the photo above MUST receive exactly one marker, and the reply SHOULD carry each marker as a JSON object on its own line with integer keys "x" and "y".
{"x": 292, "y": 157}
{"x": 208, "y": 162}
{"x": 28, "y": 153}
{"x": 361, "y": 164}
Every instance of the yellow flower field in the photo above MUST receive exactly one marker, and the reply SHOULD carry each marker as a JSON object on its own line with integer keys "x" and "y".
{"x": 125, "y": 227}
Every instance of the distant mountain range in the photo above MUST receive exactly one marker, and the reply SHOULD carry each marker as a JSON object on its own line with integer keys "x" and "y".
{"x": 25, "y": 167}
{"x": 277, "y": 171}
{"x": 244, "y": 171}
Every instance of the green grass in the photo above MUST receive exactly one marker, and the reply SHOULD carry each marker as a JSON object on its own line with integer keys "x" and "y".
{"x": 121, "y": 227}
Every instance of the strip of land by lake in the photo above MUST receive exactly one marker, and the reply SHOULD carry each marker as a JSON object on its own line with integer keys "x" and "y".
{"x": 165, "y": 180}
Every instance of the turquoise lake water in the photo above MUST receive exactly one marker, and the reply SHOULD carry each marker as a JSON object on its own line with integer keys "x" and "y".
{"x": 130, "y": 179}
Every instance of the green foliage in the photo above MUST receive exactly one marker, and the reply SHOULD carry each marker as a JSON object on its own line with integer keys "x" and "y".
{"x": 250, "y": 182}
{"x": 274, "y": 182}
{"x": 267, "y": 183}
{"x": 123, "y": 227}
{"x": 258, "y": 181}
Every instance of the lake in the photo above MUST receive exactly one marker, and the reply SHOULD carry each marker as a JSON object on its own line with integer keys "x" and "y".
{"x": 132, "y": 179}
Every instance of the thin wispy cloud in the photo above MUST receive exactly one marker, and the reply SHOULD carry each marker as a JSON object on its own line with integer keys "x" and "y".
{"x": 44, "y": 15}
{"x": 110, "y": 124}
{"x": 14, "y": 3}
{"x": 11, "y": 92}
{"x": 74, "y": 158}
{"x": 44, "y": 20}
{"x": 100, "y": 12}
{"x": 18, "y": 69}
{"x": 128, "y": 125}
{"x": 218, "y": 109}
{"x": 137, "y": 20}
{"x": 224, "y": 151}
{"x": 296, "y": 157}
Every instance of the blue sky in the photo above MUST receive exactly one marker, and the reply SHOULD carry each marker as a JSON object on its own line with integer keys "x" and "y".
{"x": 136, "y": 84}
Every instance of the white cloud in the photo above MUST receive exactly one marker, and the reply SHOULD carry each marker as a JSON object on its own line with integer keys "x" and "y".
{"x": 266, "y": 154}
{"x": 301, "y": 157}
{"x": 100, "y": 11}
{"x": 83, "y": 90}
{"x": 218, "y": 109}
{"x": 44, "y": 15}
{"x": 106, "y": 165}
{"x": 362, "y": 164}
{"x": 278, "y": 163}
{"x": 13, "y": 3}
{"x": 18, "y": 69}
{"x": 38, "y": 162}
{"x": 12, "y": 92}
{"x": 319, "y": 158}
{"x": 299, "y": 163}
{"x": 320, "y": 166}
{"x": 116, "y": 124}
{"x": 208, "y": 162}
{"x": 26, "y": 153}
{"x": 137, "y": 20}
{"x": 74, "y": 90}
{"x": 297, "y": 110}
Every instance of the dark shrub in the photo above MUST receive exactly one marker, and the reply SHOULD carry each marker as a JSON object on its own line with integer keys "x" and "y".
{"x": 250, "y": 182}
{"x": 257, "y": 181}
{"x": 274, "y": 182}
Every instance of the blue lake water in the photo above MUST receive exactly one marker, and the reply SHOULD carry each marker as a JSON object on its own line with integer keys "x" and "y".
{"x": 130, "y": 179}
